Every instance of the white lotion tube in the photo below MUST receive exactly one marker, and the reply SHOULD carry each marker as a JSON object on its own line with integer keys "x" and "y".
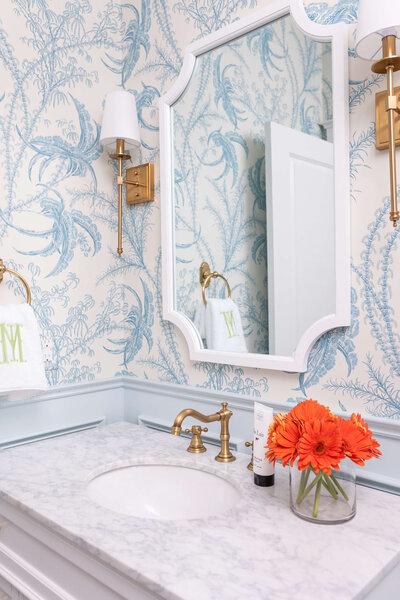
{"x": 263, "y": 469}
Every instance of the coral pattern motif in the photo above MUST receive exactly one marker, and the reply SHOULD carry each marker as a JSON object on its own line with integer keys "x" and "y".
{"x": 58, "y": 217}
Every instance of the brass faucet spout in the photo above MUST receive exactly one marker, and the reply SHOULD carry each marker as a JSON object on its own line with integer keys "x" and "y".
{"x": 190, "y": 412}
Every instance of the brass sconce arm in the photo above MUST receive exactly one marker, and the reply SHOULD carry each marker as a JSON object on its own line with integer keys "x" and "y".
{"x": 391, "y": 110}
{"x": 143, "y": 178}
{"x": 389, "y": 63}
{"x": 120, "y": 156}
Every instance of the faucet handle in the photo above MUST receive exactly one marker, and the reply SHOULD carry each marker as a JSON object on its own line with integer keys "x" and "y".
{"x": 196, "y": 445}
{"x": 195, "y": 427}
{"x": 250, "y": 445}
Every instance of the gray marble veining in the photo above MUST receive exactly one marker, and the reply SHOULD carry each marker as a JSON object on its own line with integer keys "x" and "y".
{"x": 259, "y": 549}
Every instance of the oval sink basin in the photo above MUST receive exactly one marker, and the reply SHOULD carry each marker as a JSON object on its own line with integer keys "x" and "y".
{"x": 167, "y": 492}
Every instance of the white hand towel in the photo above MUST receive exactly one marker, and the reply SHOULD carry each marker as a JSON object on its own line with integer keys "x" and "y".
{"x": 21, "y": 361}
{"x": 224, "y": 329}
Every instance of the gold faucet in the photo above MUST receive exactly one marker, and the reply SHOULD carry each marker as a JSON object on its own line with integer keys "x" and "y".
{"x": 223, "y": 415}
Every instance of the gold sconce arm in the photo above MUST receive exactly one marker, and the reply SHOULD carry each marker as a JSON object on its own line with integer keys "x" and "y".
{"x": 143, "y": 177}
{"x": 120, "y": 156}
{"x": 389, "y": 63}
{"x": 391, "y": 110}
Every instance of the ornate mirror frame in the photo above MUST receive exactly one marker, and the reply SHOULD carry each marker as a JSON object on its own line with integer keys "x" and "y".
{"x": 337, "y": 35}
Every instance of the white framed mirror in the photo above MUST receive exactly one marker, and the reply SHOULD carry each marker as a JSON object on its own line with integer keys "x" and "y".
{"x": 254, "y": 183}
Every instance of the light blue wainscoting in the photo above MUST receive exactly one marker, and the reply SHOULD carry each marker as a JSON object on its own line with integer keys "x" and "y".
{"x": 61, "y": 410}
{"x": 155, "y": 404}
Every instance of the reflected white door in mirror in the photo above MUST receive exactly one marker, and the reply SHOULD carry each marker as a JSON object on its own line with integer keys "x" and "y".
{"x": 254, "y": 185}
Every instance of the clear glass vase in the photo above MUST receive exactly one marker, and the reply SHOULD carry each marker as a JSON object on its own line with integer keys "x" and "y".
{"x": 322, "y": 498}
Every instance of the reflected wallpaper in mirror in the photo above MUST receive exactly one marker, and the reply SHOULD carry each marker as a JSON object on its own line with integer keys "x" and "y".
{"x": 275, "y": 73}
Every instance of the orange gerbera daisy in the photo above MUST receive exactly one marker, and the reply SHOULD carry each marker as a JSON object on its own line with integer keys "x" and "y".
{"x": 309, "y": 410}
{"x": 283, "y": 437}
{"x": 359, "y": 422}
{"x": 358, "y": 443}
{"x": 320, "y": 446}
{"x": 278, "y": 421}
{"x": 319, "y": 438}
{"x": 271, "y": 443}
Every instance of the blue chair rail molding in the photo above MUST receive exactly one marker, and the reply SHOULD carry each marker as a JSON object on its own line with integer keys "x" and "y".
{"x": 155, "y": 404}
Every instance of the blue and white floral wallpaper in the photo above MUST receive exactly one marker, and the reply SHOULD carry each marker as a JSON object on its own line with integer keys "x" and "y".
{"x": 275, "y": 73}
{"x": 58, "y": 205}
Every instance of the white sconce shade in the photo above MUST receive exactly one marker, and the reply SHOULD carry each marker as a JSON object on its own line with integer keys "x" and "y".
{"x": 376, "y": 19}
{"x": 120, "y": 120}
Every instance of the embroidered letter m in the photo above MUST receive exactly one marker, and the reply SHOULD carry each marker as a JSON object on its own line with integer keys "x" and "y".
{"x": 10, "y": 343}
{"x": 230, "y": 323}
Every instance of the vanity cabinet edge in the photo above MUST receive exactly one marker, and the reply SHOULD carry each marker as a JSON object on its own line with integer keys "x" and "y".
{"x": 43, "y": 564}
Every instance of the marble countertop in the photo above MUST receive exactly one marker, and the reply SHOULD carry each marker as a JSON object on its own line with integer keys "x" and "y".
{"x": 259, "y": 549}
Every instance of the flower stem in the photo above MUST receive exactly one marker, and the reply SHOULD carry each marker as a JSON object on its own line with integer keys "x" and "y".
{"x": 310, "y": 487}
{"x": 303, "y": 482}
{"x": 327, "y": 482}
{"x": 317, "y": 497}
{"x": 339, "y": 487}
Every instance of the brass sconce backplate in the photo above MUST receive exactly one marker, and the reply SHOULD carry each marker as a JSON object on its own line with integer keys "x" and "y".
{"x": 141, "y": 184}
{"x": 382, "y": 130}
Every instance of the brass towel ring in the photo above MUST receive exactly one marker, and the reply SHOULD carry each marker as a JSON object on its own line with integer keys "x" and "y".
{"x": 205, "y": 277}
{"x": 3, "y": 269}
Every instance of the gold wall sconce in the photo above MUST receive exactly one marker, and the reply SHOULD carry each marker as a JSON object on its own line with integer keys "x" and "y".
{"x": 120, "y": 130}
{"x": 377, "y": 32}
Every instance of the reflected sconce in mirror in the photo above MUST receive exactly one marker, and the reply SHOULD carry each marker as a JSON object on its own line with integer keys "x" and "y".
{"x": 120, "y": 131}
{"x": 377, "y": 32}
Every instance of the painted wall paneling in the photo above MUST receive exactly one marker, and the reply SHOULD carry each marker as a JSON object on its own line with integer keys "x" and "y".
{"x": 156, "y": 404}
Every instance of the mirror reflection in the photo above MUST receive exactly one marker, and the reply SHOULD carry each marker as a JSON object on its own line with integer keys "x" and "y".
{"x": 253, "y": 191}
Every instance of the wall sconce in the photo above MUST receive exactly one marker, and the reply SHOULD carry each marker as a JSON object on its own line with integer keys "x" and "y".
{"x": 120, "y": 130}
{"x": 378, "y": 29}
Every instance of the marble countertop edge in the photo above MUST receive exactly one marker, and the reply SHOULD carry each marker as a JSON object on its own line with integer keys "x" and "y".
{"x": 376, "y": 579}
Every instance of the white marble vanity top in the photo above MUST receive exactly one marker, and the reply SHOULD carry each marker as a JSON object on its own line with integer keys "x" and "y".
{"x": 258, "y": 550}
